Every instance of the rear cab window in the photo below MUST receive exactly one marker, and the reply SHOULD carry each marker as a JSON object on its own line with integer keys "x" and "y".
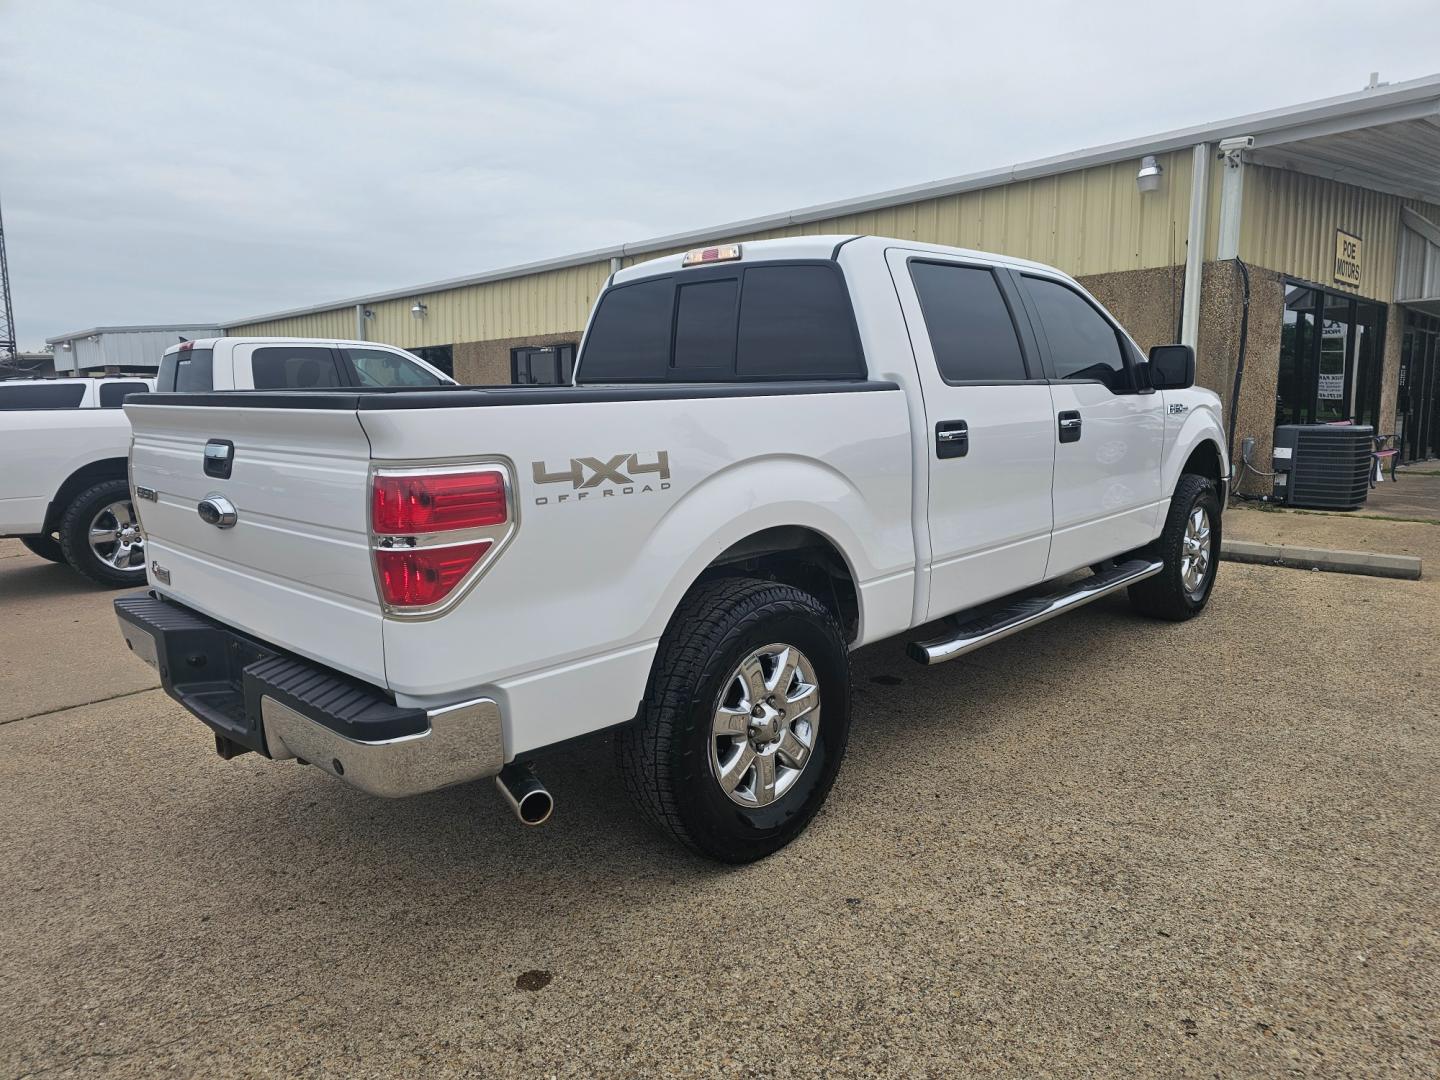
{"x": 728, "y": 323}
{"x": 186, "y": 371}
{"x": 56, "y": 395}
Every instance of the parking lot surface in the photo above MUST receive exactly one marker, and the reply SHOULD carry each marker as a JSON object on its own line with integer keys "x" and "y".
{"x": 1105, "y": 845}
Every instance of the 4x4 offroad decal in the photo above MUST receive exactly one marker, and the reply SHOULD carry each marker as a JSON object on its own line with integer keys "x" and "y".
{"x": 619, "y": 475}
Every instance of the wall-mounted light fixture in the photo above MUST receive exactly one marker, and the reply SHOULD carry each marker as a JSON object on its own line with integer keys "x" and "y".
{"x": 419, "y": 310}
{"x": 368, "y": 313}
{"x": 1148, "y": 178}
{"x": 66, "y": 346}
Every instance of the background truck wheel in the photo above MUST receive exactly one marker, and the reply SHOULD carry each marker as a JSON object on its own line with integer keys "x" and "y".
{"x": 47, "y": 547}
{"x": 1190, "y": 547}
{"x": 745, "y": 720}
{"x": 101, "y": 538}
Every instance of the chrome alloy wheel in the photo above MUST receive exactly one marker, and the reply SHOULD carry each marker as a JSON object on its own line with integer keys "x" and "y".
{"x": 115, "y": 537}
{"x": 765, "y": 725}
{"x": 1195, "y": 553}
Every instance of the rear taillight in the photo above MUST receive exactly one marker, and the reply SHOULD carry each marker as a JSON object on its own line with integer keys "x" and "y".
{"x": 419, "y": 577}
{"x": 434, "y": 530}
{"x": 419, "y": 504}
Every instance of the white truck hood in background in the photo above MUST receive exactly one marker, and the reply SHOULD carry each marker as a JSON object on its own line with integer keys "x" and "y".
{"x": 295, "y": 569}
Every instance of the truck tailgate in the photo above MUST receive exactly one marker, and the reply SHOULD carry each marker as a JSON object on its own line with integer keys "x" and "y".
{"x": 294, "y": 570}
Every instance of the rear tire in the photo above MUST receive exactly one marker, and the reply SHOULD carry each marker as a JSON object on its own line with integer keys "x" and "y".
{"x": 46, "y": 546}
{"x": 100, "y": 536}
{"x": 731, "y": 755}
{"x": 1192, "y": 534}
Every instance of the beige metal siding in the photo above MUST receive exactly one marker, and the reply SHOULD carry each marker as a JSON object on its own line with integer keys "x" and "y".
{"x": 336, "y": 323}
{"x": 1289, "y": 222}
{"x": 1092, "y": 221}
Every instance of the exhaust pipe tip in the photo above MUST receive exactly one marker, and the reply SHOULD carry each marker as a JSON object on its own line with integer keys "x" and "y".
{"x": 530, "y": 800}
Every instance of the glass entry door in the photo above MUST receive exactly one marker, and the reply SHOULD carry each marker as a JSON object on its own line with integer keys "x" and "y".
{"x": 1418, "y": 404}
{"x": 1331, "y": 353}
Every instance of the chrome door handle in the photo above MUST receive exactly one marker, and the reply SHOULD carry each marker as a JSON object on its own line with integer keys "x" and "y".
{"x": 952, "y": 439}
{"x": 1070, "y": 424}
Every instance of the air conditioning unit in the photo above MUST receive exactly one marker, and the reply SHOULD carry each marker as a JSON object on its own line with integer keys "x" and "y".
{"x": 1323, "y": 466}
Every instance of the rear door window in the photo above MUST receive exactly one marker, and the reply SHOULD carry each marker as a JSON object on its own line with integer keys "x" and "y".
{"x": 1083, "y": 343}
{"x": 968, "y": 322}
{"x": 380, "y": 367}
{"x": 113, "y": 394}
{"x": 56, "y": 395}
{"x": 301, "y": 367}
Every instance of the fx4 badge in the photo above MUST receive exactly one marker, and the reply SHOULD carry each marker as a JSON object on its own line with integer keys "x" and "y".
{"x": 623, "y": 474}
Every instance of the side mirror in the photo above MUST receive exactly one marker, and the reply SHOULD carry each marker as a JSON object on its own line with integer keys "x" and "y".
{"x": 1172, "y": 367}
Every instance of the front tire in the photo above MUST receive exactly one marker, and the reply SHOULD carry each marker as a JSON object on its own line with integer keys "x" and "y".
{"x": 44, "y": 545}
{"x": 100, "y": 536}
{"x": 1190, "y": 549}
{"x": 745, "y": 720}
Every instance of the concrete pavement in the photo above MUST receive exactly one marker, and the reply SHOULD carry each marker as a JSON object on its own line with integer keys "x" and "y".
{"x": 1105, "y": 845}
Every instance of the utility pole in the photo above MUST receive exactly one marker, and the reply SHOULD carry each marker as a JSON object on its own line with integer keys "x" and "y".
{"x": 9, "y": 348}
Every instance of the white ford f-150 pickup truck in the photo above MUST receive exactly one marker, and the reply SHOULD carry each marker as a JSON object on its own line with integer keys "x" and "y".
{"x": 64, "y": 441}
{"x": 772, "y": 453}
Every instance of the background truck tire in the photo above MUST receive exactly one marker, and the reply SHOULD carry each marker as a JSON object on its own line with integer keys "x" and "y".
{"x": 47, "y": 547}
{"x": 75, "y": 538}
{"x": 668, "y": 756}
{"x": 1167, "y": 595}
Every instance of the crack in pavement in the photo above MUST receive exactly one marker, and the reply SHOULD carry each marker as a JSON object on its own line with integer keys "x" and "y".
{"x": 112, "y": 1054}
{"x": 80, "y": 705}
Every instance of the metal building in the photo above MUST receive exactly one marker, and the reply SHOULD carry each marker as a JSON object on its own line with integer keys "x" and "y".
{"x": 129, "y": 348}
{"x": 1326, "y": 215}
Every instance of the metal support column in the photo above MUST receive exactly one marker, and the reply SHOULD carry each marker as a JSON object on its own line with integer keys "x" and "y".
{"x": 1195, "y": 245}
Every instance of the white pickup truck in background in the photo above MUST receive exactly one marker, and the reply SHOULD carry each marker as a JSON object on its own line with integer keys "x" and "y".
{"x": 772, "y": 454}
{"x": 64, "y": 442}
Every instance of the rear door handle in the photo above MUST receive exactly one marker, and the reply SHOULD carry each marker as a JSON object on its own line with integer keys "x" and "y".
{"x": 1070, "y": 426}
{"x": 952, "y": 438}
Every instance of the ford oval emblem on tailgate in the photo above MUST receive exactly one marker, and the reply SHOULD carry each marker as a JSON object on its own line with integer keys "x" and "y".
{"x": 218, "y": 511}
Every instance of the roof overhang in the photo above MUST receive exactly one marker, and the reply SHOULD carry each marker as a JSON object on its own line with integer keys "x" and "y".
{"x": 1368, "y": 138}
{"x": 96, "y": 331}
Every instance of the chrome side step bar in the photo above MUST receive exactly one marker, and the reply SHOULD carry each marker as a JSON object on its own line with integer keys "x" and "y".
{"x": 970, "y": 634}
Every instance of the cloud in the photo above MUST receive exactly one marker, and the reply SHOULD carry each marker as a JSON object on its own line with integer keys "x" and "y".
{"x": 166, "y": 162}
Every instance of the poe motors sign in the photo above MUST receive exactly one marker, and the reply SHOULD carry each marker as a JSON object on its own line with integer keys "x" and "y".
{"x": 1347, "y": 259}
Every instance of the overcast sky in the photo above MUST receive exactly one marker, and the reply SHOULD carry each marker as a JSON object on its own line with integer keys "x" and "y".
{"x": 189, "y": 161}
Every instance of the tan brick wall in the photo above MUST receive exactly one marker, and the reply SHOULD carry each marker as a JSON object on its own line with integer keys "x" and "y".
{"x": 487, "y": 363}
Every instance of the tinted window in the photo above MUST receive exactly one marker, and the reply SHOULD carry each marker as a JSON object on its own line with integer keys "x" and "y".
{"x": 187, "y": 371}
{"x": 969, "y": 324}
{"x": 1083, "y": 345}
{"x": 795, "y": 323}
{"x": 629, "y": 339}
{"x": 379, "y": 367}
{"x": 298, "y": 368}
{"x": 705, "y": 328}
{"x": 542, "y": 365}
{"x": 112, "y": 394}
{"x": 57, "y": 395}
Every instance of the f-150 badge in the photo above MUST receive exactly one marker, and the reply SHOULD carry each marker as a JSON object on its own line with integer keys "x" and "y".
{"x": 623, "y": 474}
